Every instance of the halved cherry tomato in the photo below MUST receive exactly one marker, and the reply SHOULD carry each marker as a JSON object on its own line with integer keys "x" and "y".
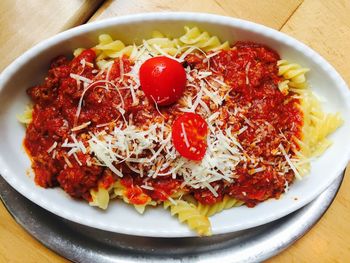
{"x": 189, "y": 134}
{"x": 162, "y": 79}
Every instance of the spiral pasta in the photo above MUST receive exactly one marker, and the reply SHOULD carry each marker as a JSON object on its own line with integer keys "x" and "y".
{"x": 226, "y": 203}
{"x": 100, "y": 198}
{"x": 283, "y": 87}
{"x": 160, "y": 45}
{"x": 294, "y": 73}
{"x": 27, "y": 115}
{"x": 189, "y": 213}
{"x": 202, "y": 40}
{"x": 78, "y": 51}
{"x": 317, "y": 125}
{"x": 109, "y": 48}
{"x": 119, "y": 192}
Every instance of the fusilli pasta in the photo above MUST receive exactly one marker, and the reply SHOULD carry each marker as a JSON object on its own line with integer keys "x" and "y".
{"x": 119, "y": 192}
{"x": 317, "y": 124}
{"x": 226, "y": 203}
{"x": 294, "y": 73}
{"x": 27, "y": 115}
{"x": 189, "y": 213}
{"x": 100, "y": 198}
{"x": 109, "y": 48}
{"x": 202, "y": 40}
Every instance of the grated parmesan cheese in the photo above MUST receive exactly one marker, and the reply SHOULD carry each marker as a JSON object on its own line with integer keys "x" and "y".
{"x": 247, "y": 67}
{"x": 292, "y": 166}
{"x": 54, "y": 145}
{"x": 82, "y": 126}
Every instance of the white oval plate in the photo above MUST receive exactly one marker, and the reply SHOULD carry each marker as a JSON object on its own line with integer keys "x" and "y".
{"x": 30, "y": 68}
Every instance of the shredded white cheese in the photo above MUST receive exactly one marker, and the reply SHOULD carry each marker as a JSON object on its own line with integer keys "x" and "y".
{"x": 247, "y": 67}
{"x": 81, "y": 126}
{"x": 54, "y": 145}
{"x": 292, "y": 166}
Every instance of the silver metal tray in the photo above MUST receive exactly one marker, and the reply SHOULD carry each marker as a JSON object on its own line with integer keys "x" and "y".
{"x": 84, "y": 244}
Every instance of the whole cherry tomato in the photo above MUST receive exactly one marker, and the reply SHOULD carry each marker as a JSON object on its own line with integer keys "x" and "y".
{"x": 189, "y": 134}
{"x": 162, "y": 79}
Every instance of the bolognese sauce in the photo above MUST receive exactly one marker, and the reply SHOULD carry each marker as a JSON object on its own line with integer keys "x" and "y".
{"x": 236, "y": 88}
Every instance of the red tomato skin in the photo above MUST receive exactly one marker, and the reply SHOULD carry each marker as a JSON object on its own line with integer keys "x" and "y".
{"x": 196, "y": 130}
{"x": 163, "y": 80}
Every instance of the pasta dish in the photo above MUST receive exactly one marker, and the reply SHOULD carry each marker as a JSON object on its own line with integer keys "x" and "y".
{"x": 191, "y": 123}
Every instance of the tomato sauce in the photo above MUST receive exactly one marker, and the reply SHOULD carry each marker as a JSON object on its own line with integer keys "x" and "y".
{"x": 249, "y": 69}
{"x": 265, "y": 103}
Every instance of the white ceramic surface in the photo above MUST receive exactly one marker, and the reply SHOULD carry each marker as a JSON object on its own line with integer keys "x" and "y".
{"x": 30, "y": 68}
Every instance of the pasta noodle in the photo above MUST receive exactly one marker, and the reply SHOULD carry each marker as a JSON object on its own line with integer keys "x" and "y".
{"x": 78, "y": 51}
{"x": 226, "y": 203}
{"x": 158, "y": 45}
{"x": 120, "y": 192}
{"x": 202, "y": 40}
{"x": 109, "y": 48}
{"x": 27, "y": 115}
{"x": 294, "y": 73}
{"x": 317, "y": 126}
{"x": 188, "y": 213}
{"x": 100, "y": 198}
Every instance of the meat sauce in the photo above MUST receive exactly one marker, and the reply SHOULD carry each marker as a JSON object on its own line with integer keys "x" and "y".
{"x": 249, "y": 69}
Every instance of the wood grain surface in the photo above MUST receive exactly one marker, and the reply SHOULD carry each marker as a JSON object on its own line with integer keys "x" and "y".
{"x": 253, "y": 10}
{"x": 323, "y": 25}
{"x": 24, "y": 23}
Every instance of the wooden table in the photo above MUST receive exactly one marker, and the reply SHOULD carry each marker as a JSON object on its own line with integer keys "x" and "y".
{"x": 323, "y": 25}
